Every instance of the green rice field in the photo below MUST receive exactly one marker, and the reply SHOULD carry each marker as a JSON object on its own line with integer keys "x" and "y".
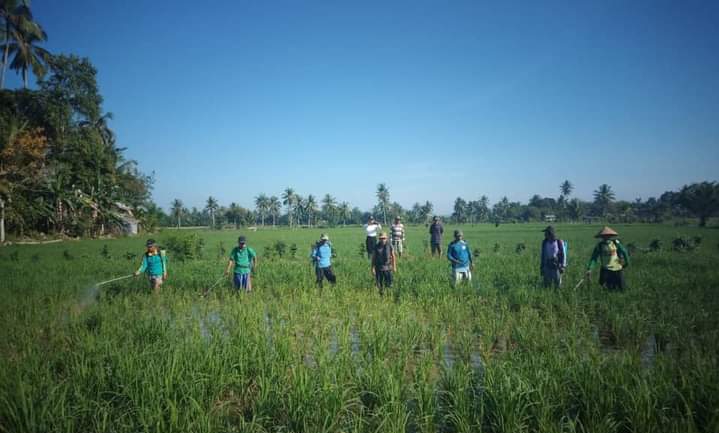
{"x": 500, "y": 354}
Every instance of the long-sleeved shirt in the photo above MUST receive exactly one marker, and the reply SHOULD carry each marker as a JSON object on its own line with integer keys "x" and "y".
{"x": 154, "y": 264}
{"x": 611, "y": 255}
{"x": 435, "y": 233}
{"x": 459, "y": 255}
{"x": 552, "y": 249}
{"x": 322, "y": 255}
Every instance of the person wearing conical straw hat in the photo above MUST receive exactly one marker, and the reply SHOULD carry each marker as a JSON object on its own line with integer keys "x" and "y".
{"x": 612, "y": 258}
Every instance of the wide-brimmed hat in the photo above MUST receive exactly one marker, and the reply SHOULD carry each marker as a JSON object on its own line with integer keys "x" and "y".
{"x": 324, "y": 237}
{"x": 606, "y": 231}
{"x": 383, "y": 235}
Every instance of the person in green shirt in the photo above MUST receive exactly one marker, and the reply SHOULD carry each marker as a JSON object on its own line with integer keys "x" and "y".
{"x": 243, "y": 260}
{"x": 154, "y": 264}
{"x": 613, "y": 259}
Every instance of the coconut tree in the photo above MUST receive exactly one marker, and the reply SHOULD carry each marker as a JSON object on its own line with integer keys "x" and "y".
{"x": 23, "y": 46}
{"x": 211, "y": 207}
{"x": 603, "y": 198}
{"x": 329, "y": 208}
{"x": 289, "y": 199}
{"x": 274, "y": 207}
{"x": 383, "y": 200}
{"x": 262, "y": 204}
{"x": 344, "y": 212}
{"x": 15, "y": 17}
{"x": 310, "y": 208}
{"x": 566, "y": 188}
{"x": 177, "y": 210}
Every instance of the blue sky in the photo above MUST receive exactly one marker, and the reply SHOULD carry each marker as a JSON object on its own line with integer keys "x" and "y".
{"x": 436, "y": 99}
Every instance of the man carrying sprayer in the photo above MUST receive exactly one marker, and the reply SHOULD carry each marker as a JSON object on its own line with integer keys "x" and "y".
{"x": 612, "y": 257}
{"x": 552, "y": 259}
{"x": 398, "y": 236}
{"x": 322, "y": 258}
{"x": 244, "y": 260}
{"x": 460, "y": 258}
{"x": 154, "y": 264}
{"x": 435, "y": 236}
{"x": 383, "y": 263}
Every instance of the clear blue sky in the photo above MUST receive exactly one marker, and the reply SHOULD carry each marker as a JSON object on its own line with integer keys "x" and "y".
{"x": 436, "y": 99}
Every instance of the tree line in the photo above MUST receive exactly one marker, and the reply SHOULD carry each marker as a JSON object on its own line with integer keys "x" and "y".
{"x": 700, "y": 200}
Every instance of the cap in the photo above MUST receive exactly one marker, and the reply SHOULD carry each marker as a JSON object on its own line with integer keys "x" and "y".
{"x": 458, "y": 233}
{"x": 242, "y": 239}
{"x": 324, "y": 237}
{"x": 150, "y": 243}
{"x": 549, "y": 229}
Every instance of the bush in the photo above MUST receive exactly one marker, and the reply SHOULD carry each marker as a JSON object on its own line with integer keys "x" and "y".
{"x": 683, "y": 244}
{"x": 185, "y": 247}
{"x": 655, "y": 245}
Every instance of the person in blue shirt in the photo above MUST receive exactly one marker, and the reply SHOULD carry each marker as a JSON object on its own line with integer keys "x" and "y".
{"x": 154, "y": 264}
{"x": 460, "y": 257}
{"x": 322, "y": 258}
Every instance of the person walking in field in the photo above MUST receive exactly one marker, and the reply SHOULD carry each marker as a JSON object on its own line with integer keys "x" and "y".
{"x": 398, "y": 236}
{"x": 435, "y": 236}
{"x": 613, "y": 259}
{"x": 322, "y": 258}
{"x": 372, "y": 229}
{"x": 243, "y": 260}
{"x": 552, "y": 259}
{"x": 383, "y": 263}
{"x": 154, "y": 264}
{"x": 460, "y": 258}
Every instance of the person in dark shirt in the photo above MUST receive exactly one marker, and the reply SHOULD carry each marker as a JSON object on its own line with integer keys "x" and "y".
{"x": 435, "y": 236}
{"x": 383, "y": 263}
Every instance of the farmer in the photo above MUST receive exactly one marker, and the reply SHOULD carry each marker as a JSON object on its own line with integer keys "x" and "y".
{"x": 154, "y": 264}
{"x": 613, "y": 258}
{"x": 372, "y": 229}
{"x": 551, "y": 262}
{"x": 321, "y": 257}
{"x": 243, "y": 260}
{"x": 383, "y": 263}
{"x": 460, "y": 258}
{"x": 398, "y": 236}
{"x": 435, "y": 236}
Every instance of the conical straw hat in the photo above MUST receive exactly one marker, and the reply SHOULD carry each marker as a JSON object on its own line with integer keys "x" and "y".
{"x": 606, "y": 231}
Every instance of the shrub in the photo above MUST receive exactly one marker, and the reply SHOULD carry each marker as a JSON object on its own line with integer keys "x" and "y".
{"x": 185, "y": 247}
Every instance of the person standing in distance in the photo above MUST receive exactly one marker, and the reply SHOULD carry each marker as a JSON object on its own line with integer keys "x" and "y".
{"x": 435, "y": 236}
{"x": 372, "y": 229}
{"x": 398, "y": 234}
{"x": 460, "y": 258}
{"x": 244, "y": 260}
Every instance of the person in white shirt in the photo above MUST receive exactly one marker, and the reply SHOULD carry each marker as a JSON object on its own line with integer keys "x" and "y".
{"x": 372, "y": 229}
{"x": 398, "y": 236}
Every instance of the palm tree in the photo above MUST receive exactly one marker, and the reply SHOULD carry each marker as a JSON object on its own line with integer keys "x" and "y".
{"x": 14, "y": 15}
{"x": 211, "y": 206}
{"x": 274, "y": 207}
{"x": 22, "y": 43}
{"x": 177, "y": 210}
{"x": 233, "y": 213}
{"x": 289, "y": 199}
{"x": 383, "y": 200}
{"x": 329, "y": 208}
{"x": 344, "y": 211}
{"x": 574, "y": 208}
{"x": 262, "y": 204}
{"x": 603, "y": 198}
{"x": 310, "y": 208}
{"x": 566, "y": 188}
